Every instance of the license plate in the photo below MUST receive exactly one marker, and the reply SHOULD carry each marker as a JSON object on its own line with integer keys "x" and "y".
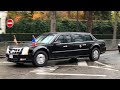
{"x": 10, "y": 56}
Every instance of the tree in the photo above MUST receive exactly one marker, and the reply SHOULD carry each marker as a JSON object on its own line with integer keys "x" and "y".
{"x": 53, "y": 21}
{"x": 102, "y": 15}
{"x": 77, "y": 25}
{"x": 115, "y": 24}
{"x": 89, "y": 21}
{"x": 27, "y": 14}
{"x": 69, "y": 14}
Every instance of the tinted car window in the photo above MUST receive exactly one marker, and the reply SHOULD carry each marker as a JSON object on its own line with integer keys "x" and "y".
{"x": 60, "y": 39}
{"x": 47, "y": 39}
{"x": 68, "y": 38}
{"x": 87, "y": 38}
{"x": 78, "y": 38}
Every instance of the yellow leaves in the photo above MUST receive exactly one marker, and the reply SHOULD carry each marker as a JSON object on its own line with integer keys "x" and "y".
{"x": 41, "y": 15}
{"x": 17, "y": 18}
{"x": 36, "y": 15}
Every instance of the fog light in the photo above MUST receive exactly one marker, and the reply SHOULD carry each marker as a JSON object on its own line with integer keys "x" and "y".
{"x": 22, "y": 59}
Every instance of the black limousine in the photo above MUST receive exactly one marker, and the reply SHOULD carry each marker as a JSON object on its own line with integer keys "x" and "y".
{"x": 57, "y": 45}
{"x": 119, "y": 47}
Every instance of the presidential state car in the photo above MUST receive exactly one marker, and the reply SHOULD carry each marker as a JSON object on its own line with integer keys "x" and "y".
{"x": 57, "y": 46}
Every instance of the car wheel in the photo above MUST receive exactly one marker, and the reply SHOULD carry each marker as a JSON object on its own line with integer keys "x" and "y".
{"x": 95, "y": 54}
{"x": 40, "y": 59}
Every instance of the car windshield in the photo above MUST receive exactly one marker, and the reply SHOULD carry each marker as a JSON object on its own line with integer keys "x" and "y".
{"x": 45, "y": 38}
{"x": 39, "y": 38}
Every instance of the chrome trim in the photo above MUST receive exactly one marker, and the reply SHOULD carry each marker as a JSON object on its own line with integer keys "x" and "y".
{"x": 15, "y": 51}
{"x": 118, "y": 44}
{"x": 69, "y": 50}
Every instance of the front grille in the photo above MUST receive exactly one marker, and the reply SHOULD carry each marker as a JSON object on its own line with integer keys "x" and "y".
{"x": 15, "y": 51}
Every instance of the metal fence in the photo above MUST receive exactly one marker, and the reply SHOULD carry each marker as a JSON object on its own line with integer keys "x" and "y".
{"x": 28, "y": 36}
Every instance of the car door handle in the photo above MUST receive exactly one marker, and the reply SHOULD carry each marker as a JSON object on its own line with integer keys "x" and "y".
{"x": 83, "y": 44}
{"x": 65, "y": 46}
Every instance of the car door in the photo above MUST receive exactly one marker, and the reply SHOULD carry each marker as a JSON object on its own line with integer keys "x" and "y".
{"x": 89, "y": 40}
{"x": 59, "y": 48}
{"x": 80, "y": 47}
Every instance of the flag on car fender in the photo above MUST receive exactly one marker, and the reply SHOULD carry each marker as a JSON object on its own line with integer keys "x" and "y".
{"x": 15, "y": 40}
{"x": 34, "y": 43}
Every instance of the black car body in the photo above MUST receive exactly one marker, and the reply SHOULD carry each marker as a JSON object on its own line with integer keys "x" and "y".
{"x": 57, "y": 45}
{"x": 119, "y": 47}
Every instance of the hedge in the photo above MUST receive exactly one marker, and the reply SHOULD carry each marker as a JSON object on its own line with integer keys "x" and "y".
{"x": 41, "y": 26}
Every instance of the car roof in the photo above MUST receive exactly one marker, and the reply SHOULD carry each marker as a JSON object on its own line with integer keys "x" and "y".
{"x": 66, "y": 33}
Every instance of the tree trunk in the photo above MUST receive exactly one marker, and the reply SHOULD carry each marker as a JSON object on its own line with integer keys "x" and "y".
{"x": 85, "y": 15}
{"x": 69, "y": 15}
{"x": 115, "y": 25}
{"x": 53, "y": 21}
{"x": 115, "y": 29}
{"x": 89, "y": 21}
{"x": 32, "y": 13}
{"x": 77, "y": 23}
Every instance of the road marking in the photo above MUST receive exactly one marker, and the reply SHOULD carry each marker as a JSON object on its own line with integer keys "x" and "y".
{"x": 82, "y": 63}
{"x": 44, "y": 69}
{"x": 92, "y": 67}
{"x": 107, "y": 54}
{"x": 104, "y": 68}
{"x": 5, "y": 62}
{"x": 68, "y": 74}
{"x": 103, "y": 64}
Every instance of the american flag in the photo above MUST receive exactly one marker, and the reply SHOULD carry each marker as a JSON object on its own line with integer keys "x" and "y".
{"x": 34, "y": 43}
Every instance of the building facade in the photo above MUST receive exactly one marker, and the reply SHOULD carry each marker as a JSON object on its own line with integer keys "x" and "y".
{"x": 3, "y": 16}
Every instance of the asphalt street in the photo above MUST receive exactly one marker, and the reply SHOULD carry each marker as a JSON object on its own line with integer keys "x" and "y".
{"x": 107, "y": 67}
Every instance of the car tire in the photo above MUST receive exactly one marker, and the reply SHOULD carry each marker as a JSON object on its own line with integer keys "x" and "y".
{"x": 72, "y": 60}
{"x": 95, "y": 54}
{"x": 40, "y": 59}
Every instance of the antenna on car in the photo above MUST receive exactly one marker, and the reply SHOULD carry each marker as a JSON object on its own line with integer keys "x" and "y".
{"x": 15, "y": 40}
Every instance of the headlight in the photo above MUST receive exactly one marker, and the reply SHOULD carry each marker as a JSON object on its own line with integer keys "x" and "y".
{"x": 25, "y": 51}
{"x": 118, "y": 44}
{"x": 7, "y": 51}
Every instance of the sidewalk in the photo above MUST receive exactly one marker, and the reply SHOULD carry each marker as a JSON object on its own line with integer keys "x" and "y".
{"x": 2, "y": 56}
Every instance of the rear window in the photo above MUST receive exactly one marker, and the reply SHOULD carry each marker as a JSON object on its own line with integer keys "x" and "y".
{"x": 88, "y": 38}
{"x": 77, "y": 38}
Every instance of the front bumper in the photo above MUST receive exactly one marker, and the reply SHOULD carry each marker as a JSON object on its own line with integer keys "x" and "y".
{"x": 103, "y": 50}
{"x": 20, "y": 58}
{"x": 119, "y": 47}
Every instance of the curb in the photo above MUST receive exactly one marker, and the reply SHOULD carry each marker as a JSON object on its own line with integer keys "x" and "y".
{"x": 2, "y": 56}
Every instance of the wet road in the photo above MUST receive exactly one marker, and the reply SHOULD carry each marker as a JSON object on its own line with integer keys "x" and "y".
{"x": 108, "y": 67}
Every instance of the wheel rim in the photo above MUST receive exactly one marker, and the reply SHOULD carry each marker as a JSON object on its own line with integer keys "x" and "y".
{"x": 40, "y": 58}
{"x": 95, "y": 54}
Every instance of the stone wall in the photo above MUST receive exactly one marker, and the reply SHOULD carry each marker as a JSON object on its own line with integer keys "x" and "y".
{"x": 3, "y": 15}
